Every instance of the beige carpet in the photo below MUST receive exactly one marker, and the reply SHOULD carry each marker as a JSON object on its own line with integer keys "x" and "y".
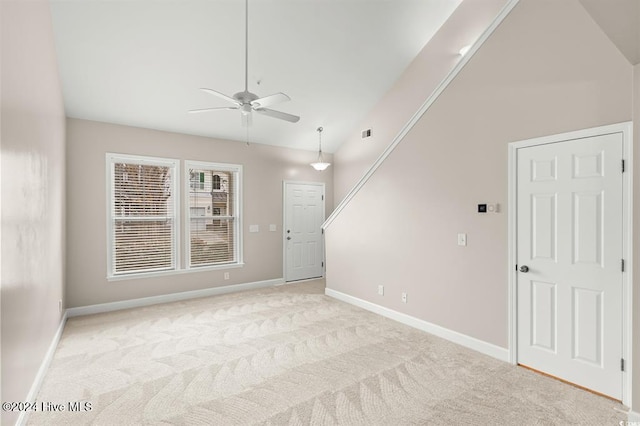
{"x": 291, "y": 356}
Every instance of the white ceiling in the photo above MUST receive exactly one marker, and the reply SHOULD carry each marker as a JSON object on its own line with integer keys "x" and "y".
{"x": 141, "y": 62}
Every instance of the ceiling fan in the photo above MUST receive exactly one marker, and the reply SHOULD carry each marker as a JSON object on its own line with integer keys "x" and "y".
{"x": 247, "y": 102}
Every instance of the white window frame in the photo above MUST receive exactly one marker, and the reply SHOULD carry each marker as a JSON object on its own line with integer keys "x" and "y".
{"x": 111, "y": 160}
{"x": 237, "y": 208}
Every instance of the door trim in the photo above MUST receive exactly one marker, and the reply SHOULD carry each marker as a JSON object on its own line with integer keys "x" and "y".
{"x": 626, "y": 128}
{"x": 284, "y": 213}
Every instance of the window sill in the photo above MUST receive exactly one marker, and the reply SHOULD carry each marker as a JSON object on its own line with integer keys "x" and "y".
{"x": 129, "y": 277}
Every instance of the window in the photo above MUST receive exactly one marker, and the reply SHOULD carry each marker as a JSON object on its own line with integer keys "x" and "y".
{"x": 213, "y": 222}
{"x": 144, "y": 228}
{"x": 142, "y": 198}
{"x": 197, "y": 180}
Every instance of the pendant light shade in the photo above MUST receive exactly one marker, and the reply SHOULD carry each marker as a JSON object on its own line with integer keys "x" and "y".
{"x": 320, "y": 164}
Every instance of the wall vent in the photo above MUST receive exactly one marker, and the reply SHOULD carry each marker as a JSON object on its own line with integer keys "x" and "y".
{"x": 366, "y": 133}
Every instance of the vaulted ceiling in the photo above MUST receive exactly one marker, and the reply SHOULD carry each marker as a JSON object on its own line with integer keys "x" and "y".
{"x": 620, "y": 20}
{"x": 142, "y": 62}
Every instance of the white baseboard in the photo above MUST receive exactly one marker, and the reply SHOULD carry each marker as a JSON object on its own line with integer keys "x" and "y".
{"x": 462, "y": 339}
{"x": 634, "y": 417}
{"x": 42, "y": 371}
{"x": 166, "y": 298}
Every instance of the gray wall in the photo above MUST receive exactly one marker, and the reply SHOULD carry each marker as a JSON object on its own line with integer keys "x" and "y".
{"x": 547, "y": 69}
{"x": 33, "y": 194}
{"x": 265, "y": 167}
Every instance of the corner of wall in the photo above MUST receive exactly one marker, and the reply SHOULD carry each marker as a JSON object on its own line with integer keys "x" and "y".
{"x": 532, "y": 77}
{"x": 635, "y": 406}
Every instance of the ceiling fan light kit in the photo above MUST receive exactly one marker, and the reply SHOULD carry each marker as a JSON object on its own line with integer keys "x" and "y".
{"x": 245, "y": 101}
{"x": 320, "y": 164}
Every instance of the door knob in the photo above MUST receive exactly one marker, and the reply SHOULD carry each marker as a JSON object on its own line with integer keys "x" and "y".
{"x": 524, "y": 268}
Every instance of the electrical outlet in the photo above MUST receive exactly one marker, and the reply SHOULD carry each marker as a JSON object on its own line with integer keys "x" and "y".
{"x": 381, "y": 290}
{"x": 404, "y": 297}
{"x": 226, "y": 275}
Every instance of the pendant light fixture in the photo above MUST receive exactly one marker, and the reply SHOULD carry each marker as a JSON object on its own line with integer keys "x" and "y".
{"x": 320, "y": 164}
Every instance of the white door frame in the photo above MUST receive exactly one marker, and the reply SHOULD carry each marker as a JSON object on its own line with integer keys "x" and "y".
{"x": 284, "y": 224}
{"x": 627, "y": 237}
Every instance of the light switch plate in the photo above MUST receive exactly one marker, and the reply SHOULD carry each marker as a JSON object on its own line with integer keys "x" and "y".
{"x": 273, "y": 228}
{"x": 254, "y": 228}
{"x": 462, "y": 239}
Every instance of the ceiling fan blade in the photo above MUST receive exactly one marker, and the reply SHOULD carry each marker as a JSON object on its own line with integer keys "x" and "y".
{"x": 278, "y": 114}
{"x": 220, "y": 95}
{"x": 270, "y": 100}
{"x": 195, "y": 111}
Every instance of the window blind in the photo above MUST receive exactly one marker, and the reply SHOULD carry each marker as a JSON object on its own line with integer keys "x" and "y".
{"x": 143, "y": 215}
{"x": 212, "y": 209}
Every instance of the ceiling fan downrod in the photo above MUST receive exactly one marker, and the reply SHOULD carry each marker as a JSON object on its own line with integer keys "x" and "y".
{"x": 245, "y": 101}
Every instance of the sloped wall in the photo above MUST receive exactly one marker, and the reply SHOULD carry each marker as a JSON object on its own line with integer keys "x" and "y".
{"x": 33, "y": 195}
{"x": 401, "y": 102}
{"x": 547, "y": 69}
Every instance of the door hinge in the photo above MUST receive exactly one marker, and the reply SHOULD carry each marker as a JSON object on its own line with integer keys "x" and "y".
{"x": 323, "y": 195}
{"x": 621, "y": 364}
{"x": 622, "y": 265}
{"x": 623, "y": 166}
{"x": 323, "y": 264}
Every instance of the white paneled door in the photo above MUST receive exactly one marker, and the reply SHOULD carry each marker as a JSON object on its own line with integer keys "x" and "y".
{"x": 569, "y": 256}
{"x": 303, "y": 239}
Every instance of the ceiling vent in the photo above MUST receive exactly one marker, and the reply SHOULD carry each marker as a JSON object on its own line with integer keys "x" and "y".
{"x": 366, "y": 133}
